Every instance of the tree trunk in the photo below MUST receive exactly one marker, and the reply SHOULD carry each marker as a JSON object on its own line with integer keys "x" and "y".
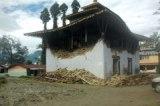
{"x": 43, "y": 56}
{"x": 45, "y": 26}
{"x": 64, "y": 19}
{"x": 55, "y": 22}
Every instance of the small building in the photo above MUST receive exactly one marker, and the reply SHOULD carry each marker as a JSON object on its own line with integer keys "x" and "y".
{"x": 149, "y": 60}
{"x": 35, "y": 70}
{"x": 18, "y": 70}
{"x": 96, "y": 39}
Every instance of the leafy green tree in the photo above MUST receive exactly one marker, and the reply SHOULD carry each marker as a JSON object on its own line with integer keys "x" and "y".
{"x": 45, "y": 17}
{"x": 75, "y": 6}
{"x": 153, "y": 43}
{"x": 42, "y": 60}
{"x": 28, "y": 62}
{"x": 55, "y": 11}
{"x": 63, "y": 9}
{"x": 11, "y": 51}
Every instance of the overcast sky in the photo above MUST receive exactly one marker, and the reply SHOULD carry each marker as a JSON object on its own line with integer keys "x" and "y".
{"x": 21, "y": 16}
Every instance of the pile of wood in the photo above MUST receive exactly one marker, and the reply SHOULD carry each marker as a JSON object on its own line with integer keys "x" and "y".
{"x": 85, "y": 77}
{"x": 72, "y": 77}
{"x": 70, "y": 54}
{"x": 132, "y": 80}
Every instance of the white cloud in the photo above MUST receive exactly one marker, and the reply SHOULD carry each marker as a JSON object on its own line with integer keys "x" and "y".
{"x": 138, "y": 15}
{"x": 7, "y": 23}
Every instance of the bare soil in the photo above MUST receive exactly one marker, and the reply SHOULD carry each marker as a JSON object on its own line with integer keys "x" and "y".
{"x": 30, "y": 92}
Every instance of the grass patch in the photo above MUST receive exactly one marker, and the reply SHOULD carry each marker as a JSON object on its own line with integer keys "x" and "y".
{"x": 25, "y": 77}
{"x": 3, "y": 80}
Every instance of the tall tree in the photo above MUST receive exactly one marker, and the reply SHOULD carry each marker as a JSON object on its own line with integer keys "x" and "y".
{"x": 63, "y": 9}
{"x": 11, "y": 51}
{"x": 75, "y": 6}
{"x": 153, "y": 43}
{"x": 45, "y": 17}
{"x": 55, "y": 11}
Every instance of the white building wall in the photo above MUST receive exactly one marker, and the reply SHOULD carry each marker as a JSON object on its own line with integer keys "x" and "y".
{"x": 124, "y": 55}
{"x": 92, "y": 61}
{"x": 98, "y": 61}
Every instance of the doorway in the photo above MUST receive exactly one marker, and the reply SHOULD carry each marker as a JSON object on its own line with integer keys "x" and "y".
{"x": 129, "y": 65}
{"x": 116, "y": 65}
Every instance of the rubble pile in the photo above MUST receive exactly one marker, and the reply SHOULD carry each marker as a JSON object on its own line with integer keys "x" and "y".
{"x": 77, "y": 76}
{"x": 131, "y": 80}
{"x": 85, "y": 77}
{"x": 70, "y": 54}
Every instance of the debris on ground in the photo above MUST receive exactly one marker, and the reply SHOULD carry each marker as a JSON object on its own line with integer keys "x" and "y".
{"x": 84, "y": 77}
{"x": 71, "y": 77}
{"x": 130, "y": 80}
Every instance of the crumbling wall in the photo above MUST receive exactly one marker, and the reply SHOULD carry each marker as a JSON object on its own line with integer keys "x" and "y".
{"x": 98, "y": 61}
{"x": 92, "y": 61}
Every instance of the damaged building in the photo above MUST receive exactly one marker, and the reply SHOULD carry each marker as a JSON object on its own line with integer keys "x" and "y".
{"x": 96, "y": 39}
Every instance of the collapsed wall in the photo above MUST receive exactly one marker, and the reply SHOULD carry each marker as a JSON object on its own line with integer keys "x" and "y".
{"x": 91, "y": 61}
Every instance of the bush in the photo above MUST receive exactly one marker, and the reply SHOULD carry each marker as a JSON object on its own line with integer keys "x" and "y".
{"x": 3, "y": 80}
{"x": 25, "y": 77}
{"x": 158, "y": 69}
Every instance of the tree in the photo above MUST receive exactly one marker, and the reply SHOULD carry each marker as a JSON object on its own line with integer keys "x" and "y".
{"x": 45, "y": 17}
{"x": 153, "y": 43}
{"x": 156, "y": 41}
{"x": 55, "y": 11}
{"x": 63, "y": 9}
{"x": 75, "y": 6}
{"x": 42, "y": 59}
{"x": 11, "y": 51}
{"x": 28, "y": 62}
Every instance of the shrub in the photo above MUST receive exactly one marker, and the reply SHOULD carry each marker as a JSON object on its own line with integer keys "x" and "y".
{"x": 158, "y": 69}
{"x": 3, "y": 80}
{"x": 25, "y": 77}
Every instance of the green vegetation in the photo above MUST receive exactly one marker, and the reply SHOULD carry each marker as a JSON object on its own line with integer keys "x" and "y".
{"x": 11, "y": 51}
{"x": 63, "y": 9}
{"x": 158, "y": 69}
{"x": 3, "y": 80}
{"x": 55, "y": 11}
{"x": 25, "y": 77}
{"x": 45, "y": 17}
{"x": 153, "y": 43}
{"x": 75, "y": 6}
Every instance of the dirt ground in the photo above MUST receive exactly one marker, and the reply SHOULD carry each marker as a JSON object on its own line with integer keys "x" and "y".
{"x": 30, "y": 92}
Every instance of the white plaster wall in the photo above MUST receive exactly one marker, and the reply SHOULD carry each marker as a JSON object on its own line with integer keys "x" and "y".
{"x": 92, "y": 61}
{"x": 124, "y": 55}
{"x": 98, "y": 61}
